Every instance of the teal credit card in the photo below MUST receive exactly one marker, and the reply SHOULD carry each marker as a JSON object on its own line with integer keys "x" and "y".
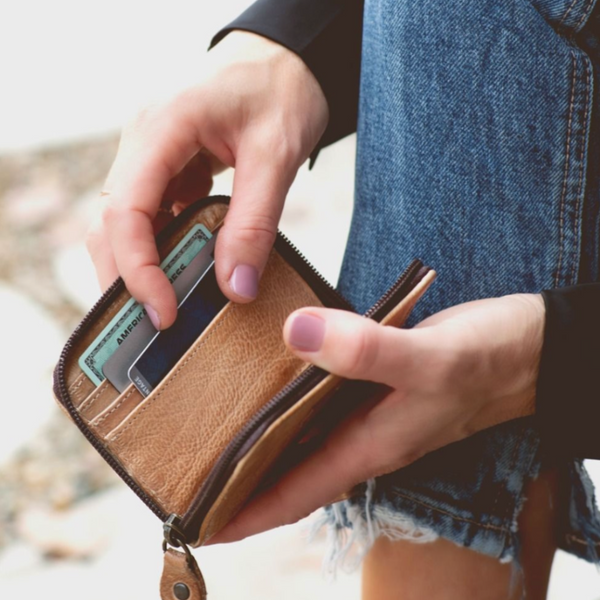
{"x": 126, "y": 320}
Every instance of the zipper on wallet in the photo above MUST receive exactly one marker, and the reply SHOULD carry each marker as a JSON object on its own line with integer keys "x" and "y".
{"x": 190, "y": 523}
{"x": 286, "y": 249}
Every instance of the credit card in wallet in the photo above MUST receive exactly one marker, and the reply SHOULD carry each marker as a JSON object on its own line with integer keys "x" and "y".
{"x": 116, "y": 368}
{"x": 131, "y": 314}
{"x": 195, "y": 313}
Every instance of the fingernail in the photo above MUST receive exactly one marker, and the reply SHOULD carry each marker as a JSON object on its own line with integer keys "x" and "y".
{"x": 153, "y": 316}
{"x": 244, "y": 281}
{"x": 307, "y": 333}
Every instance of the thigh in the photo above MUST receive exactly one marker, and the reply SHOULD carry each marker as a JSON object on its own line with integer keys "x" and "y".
{"x": 441, "y": 570}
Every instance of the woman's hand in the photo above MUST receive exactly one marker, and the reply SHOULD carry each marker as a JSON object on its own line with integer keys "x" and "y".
{"x": 257, "y": 108}
{"x": 462, "y": 370}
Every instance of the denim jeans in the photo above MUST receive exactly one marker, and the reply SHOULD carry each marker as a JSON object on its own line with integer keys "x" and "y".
{"x": 474, "y": 154}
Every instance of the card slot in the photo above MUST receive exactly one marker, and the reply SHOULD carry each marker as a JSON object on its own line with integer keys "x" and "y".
{"x": 81, "y": 389}
{"x": 97, "y": 400}
{"x": 112, "y": 416}
{"x": 171, "y": 439}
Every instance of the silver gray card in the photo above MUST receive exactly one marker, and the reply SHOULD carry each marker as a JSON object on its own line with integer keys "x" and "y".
{"x": 116, "y": 367}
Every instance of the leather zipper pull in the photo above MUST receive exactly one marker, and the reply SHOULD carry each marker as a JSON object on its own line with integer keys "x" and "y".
{"x": 181, "y": 578}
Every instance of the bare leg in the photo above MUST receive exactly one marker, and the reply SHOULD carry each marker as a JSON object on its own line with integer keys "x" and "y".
{"x": 442, "y": 570}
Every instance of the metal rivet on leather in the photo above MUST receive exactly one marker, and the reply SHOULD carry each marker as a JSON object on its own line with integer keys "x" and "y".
{"x": 181, "y": 591}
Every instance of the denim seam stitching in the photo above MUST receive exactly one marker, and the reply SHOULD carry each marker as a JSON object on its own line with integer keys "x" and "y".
{"x": 574, "y": 538}
{"x": 585, "y": 126}
{"x": 566, "y": 174}
{"x": 567, "y": 13}
{"x": 449, "y": 514}
{"x": 586, "y": 13}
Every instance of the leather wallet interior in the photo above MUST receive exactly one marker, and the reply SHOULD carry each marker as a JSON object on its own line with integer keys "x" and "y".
{"x": 233, "y": 413}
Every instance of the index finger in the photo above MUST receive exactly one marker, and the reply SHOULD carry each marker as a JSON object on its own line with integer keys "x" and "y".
{"x": 137, "y": 184}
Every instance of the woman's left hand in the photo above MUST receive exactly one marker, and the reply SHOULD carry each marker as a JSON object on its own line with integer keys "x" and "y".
{"x": 461, "y": 370}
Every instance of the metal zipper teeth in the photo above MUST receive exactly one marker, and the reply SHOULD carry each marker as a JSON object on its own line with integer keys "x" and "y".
{"x": 60, "y": 385}
{"x": 416, "y": 270}
{"x": 214, "y": 483}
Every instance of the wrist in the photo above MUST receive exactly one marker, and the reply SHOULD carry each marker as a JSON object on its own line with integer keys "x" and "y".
{"x": 513, "y": 364}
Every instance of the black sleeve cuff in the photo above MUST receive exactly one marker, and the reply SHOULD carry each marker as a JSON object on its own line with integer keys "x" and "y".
{"x": 327, "y": 35}
{"x": 568, "y": 389}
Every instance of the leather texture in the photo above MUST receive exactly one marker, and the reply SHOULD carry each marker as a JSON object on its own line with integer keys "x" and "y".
{"x": 181, "y": 576}
{"x": 261, "y": 457}
{"x": 172, "y": 439}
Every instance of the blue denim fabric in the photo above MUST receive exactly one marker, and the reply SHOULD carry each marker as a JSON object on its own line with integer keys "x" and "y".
{"x": 473, "y": 142}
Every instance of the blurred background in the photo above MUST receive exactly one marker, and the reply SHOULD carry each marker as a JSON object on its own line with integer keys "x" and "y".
{"x": 72, "y": 74}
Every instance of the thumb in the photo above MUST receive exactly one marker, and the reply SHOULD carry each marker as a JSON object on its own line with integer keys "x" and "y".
{"x": 352, "y": 346}
{"x": 261, "y": 183}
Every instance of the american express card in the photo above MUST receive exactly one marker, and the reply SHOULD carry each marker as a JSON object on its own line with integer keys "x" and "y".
{"x": 131, "y": 315}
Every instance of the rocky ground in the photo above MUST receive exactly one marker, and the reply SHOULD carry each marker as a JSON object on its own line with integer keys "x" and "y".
{"x": 43, "y": 215}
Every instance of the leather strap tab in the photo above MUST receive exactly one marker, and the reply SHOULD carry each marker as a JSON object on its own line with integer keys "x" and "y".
{"x": 181, "y": 578}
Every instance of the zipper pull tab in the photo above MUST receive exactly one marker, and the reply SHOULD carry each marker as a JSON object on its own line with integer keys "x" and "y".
{"x": 181, "y": 578}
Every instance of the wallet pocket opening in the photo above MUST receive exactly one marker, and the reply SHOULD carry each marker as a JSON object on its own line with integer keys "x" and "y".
{"x": 115, "y": 413}
{"x": 97, "y": 401}
{"x": 170, "y": 440}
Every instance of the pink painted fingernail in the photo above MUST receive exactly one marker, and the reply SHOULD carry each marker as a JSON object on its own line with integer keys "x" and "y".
{"x": 244, "y": 281}
{"x": 307, "y": 333}
{"x": 153, "y": 316}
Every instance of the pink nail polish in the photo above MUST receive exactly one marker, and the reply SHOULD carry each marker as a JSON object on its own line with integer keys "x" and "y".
{"x": 307, "y": 333}
{"x": 244, "y": 281}
{"x": 153, "y": 316}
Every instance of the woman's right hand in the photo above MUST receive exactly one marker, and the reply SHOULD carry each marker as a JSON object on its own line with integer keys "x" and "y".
{"x": 257, "y": 108}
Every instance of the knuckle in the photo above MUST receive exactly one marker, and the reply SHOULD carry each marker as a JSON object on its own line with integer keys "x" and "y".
{"x": 152, "y": 122}
{"x": 260, "y": 232}
{"x": 288, "y": 148}
{"x": 112, "y": 213}
{"x": 144, "y": 118}
{"x": 362, "y": 351}
{"x": 277, "y": 143}
{"x": 93, "y": 241}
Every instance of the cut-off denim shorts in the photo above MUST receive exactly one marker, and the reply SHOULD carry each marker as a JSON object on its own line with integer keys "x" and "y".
{"x": 478, "y": 152}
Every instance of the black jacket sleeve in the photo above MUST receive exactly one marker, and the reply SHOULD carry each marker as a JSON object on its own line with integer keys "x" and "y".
{"x": 327, "y": 35}
{"x": 568, "y": 391}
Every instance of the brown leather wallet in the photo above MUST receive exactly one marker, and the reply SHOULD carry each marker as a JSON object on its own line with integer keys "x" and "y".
{"x": 237, "y": 410}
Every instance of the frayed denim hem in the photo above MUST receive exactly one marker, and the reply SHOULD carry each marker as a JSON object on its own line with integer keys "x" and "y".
{"x": 353, "y": 528}
{"x": 354, "y": 525}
